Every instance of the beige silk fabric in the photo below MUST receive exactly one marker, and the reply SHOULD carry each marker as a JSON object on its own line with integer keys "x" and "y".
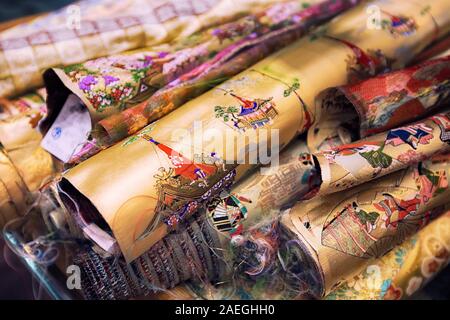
{"x": 430, "y": 254}
{"x": 25, "y": 165}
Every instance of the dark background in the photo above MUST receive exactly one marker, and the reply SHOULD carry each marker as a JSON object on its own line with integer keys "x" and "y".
{"x": 15, "y": 280}
{"x": 14, "y": 9}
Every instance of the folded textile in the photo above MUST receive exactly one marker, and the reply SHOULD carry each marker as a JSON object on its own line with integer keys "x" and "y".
{"x": 73, "y": 36}
{"x": 338, "y": 234}
{"x": 25, "y": 166}
{"x": 140, "y": 189}
{"x": 404, "y": 270}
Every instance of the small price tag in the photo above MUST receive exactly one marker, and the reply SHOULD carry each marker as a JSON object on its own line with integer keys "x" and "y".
{"x": 69, "y": 131}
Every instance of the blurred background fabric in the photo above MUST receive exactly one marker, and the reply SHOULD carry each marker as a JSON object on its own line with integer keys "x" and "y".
{"x": 20, "y": 8}
{"x": 15, "y": 280}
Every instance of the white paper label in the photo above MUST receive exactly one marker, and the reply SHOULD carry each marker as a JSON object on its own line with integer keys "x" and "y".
{"x": 69, "y": 131}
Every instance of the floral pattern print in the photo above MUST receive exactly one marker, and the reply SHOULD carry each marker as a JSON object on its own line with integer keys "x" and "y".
{"x": 404, "y": 270}
{"x": 375, "y": 282}
{"x": 430, "y": 255}
{"x": 110, "y": 81}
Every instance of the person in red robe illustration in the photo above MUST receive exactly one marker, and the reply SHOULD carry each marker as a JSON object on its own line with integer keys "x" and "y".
{"x": 183, "y": 166}
{"x": 397, "y": 209}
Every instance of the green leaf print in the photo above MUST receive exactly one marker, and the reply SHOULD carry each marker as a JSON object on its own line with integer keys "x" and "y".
{"x": 377, "y": 158}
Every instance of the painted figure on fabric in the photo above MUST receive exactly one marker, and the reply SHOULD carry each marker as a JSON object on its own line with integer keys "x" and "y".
{"x": 367, "y": 219}
{"x": 250, "y": 114}
{"x": 412, "y": 135}
{"x": 227, "y": 213}
{"x": 399, "y": 25}
{"x": 430, "y": 183}
{"x": 396, "y": 210}
{"x": 184, "y": 167}
{"x": 443, "y": 121}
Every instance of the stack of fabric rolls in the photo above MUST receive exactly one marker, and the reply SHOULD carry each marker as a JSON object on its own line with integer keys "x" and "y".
{"x": 273, "y": 150}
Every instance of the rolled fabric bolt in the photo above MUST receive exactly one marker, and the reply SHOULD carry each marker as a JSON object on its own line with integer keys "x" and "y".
{"x": 340, "y": 233}
{"x": 143, "y": 187}
{"x": 404, "y": 270}
{"x": 25, "y": 166}
{"x": 351, "y": 164}
{"x": 396, "y": 98}
{"x": 110, "y": 84}
{"x": 260, "y": 196}
{"x": 226, "y": 63}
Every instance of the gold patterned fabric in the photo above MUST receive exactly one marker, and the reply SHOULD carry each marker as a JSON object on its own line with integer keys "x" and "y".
{"x": 341, "y": 232}
{"x": 404, "y": 270}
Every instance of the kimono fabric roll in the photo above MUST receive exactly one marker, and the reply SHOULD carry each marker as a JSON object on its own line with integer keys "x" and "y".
{"x": 347, "y": 165}
{"x": 404, "y": 270}
{"x": 137, "y": 191}
{"x": 152, "y": 82}
{"x": 75, "y": 34}
{"x": 337, "y": 235}
{"x": 383, "y": 102}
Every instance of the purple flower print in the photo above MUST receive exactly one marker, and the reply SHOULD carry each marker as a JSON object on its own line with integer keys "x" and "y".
{"x": 148, "y": 60}
{"x": 86, "y": 83}
{"x": 216, "y": 32}
{"x": 162, "y": 54}
{"x": 109, "y": 79}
